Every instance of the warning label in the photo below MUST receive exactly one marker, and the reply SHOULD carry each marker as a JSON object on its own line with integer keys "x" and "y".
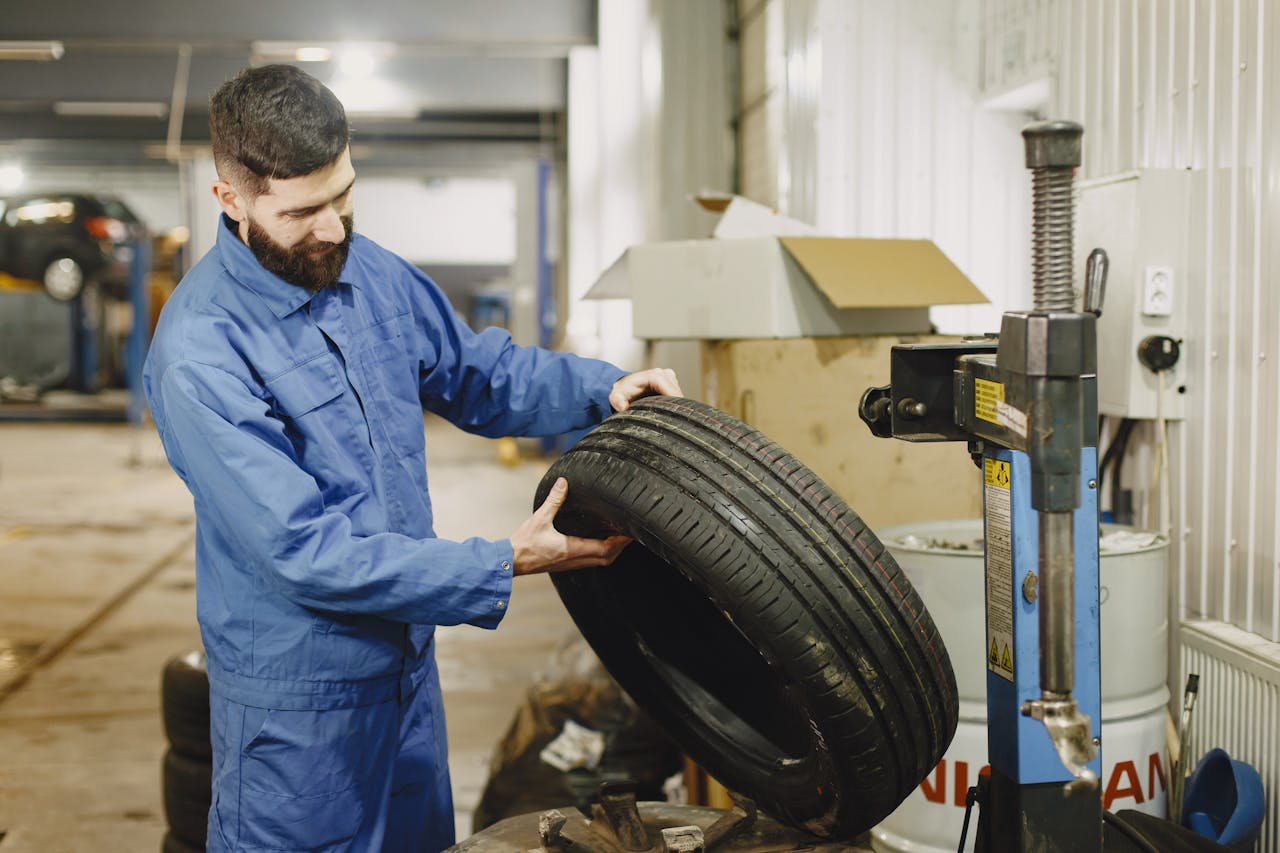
{"x": 1000, "y": 658}
{"x": 986, "y": 399}
{"x": 999, "y": 515}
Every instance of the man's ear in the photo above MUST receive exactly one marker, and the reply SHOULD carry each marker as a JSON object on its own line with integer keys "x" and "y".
{"x": 230, "y": 200}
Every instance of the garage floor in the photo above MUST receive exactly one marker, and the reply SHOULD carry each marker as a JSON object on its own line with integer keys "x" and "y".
{"x": 97, "y": 592}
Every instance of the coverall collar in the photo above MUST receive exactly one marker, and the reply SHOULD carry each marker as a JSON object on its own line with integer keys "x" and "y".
{"x": 281, "y": 297}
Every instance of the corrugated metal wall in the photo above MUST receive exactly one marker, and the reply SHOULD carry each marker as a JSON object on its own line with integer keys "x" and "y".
{"x": 761, "y": 98}
{"x": 693, "y": 121}
{"x": 649, "y": 126}
{"x": 909, "y": 127}
{"x": 1186, "y": 84}
{"x": 886, "y": 137}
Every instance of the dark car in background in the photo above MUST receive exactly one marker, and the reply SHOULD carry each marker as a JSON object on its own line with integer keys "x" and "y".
{"x": 65, "y": 263}
{"x": 63, "y": 240}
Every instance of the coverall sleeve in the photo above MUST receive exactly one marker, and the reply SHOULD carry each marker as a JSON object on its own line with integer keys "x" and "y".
{"x": 236, "y": 458}
{"x": 486, "y": 384}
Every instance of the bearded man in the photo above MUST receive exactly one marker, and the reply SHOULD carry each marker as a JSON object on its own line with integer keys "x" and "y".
{"x": 288, "y": 379}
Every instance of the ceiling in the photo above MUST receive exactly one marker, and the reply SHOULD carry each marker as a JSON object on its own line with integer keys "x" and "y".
{"x": 468, "y": 78}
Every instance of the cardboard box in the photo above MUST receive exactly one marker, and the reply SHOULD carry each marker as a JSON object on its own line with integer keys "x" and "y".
{"x": 803, "y": 394}
{"x": 763, "y": 275}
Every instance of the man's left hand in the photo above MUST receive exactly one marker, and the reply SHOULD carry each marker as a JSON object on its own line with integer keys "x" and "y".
{"x": 633, "y": 386}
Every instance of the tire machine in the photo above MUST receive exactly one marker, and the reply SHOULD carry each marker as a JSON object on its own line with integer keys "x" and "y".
{"x": 1027, "y": 405}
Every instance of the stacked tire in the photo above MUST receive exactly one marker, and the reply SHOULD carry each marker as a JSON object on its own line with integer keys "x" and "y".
{"x": 187, "y": 769}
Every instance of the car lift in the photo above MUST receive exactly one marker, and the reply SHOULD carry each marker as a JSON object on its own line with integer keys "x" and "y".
{"x": 1027, "y": 405}
{"x": 85, "y": 357}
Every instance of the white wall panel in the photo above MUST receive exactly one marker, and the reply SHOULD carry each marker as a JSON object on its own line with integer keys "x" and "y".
{"x": 799, "y": 70}
{"x": 649, "y": 126}
{"x": 695, "y": 139}
{"x": 887, "y": 136}
{"x": 761, "y": 100}
{"x": 888, "y": 129}
{"x": 450, "y": 220}
{"x": 1186, "y": 84}
{"x": 610, "y": 165}
{"x": 907, "y": 131}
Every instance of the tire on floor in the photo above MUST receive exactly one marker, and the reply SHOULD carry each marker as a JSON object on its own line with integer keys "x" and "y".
{"x": 187, "y": 786}
{"x": 173, "y": 844}
{"x": 184, "y": 704}
{"x": 755, "y": 617}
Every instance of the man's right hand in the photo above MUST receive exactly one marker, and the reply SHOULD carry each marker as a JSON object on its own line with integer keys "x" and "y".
{"x": 539, "y": 547}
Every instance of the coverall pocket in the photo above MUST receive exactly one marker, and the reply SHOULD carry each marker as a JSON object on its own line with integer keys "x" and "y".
{"x": 308, "y": 386}
{"x": 309, "y": 780}
{"x": 391, "y": 363}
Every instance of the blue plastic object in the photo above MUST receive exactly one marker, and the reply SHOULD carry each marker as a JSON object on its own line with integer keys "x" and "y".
{"x": 1224, "y": 801}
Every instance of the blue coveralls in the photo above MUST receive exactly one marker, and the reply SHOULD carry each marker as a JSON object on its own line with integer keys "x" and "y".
{"x": 296, "y": 422}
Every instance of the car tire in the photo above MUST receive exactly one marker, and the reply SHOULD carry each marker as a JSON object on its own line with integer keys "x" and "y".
{"x": 173, "y": 844}
{"x": 63, "y": 278}
{"x": 184, "y": 705}
{"x": 755, "y": 616}
{"x": 188, "y": 793}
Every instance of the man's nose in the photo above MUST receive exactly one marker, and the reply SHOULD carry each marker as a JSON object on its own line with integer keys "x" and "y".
{"x": 329, "y": 227}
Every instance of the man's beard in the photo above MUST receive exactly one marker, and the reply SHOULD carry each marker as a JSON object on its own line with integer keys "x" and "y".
{"x": 296, "y": 264}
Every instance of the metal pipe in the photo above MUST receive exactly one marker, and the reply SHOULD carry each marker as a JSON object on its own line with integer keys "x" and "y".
{"x": 1057, "y": 603}
{"x": 178, "y": 103}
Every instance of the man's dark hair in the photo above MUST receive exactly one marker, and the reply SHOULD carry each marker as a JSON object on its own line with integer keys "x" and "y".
{"x": 274, "y": 121}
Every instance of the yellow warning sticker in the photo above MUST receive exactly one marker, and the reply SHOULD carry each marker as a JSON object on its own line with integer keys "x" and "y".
{"x": 998, "y": 506}
{"x": 986, "y": 399}
{"x": 996, "y": 473}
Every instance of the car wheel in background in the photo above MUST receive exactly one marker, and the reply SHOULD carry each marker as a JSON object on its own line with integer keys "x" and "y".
{"x": 63, "y": 278}
{"x": 173, "y": 844}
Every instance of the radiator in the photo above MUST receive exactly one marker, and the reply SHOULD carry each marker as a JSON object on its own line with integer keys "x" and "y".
{"x": 1239, "y": 706}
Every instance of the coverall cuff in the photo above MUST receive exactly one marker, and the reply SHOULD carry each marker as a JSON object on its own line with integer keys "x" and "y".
{"x": 601, "y": 396}
{"x": 498, "y": 588}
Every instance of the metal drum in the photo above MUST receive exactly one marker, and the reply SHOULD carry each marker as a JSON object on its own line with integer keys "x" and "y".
{"x": 944, "y": 561}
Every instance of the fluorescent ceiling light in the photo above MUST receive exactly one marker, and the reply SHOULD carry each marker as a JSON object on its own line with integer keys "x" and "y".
{"x": 357, "y": 61}
{"x": 40, "y": 51}
{"x": 11, "y": 177}
{"x": 164, "y": 151}
{"x": 374, "y": 98}
{"x": 361, "y": 56}
{"x": 290, "y": 51}
{"x": 313, "y": 53}
{"x": 112, "y": 109}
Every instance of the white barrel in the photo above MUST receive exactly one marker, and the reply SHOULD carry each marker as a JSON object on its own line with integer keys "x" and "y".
{"x": 944, "y": 561}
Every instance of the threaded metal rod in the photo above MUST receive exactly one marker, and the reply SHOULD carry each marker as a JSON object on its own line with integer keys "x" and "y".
{"x": 1053, "y": 153}
{"x": 1052, "y": 243}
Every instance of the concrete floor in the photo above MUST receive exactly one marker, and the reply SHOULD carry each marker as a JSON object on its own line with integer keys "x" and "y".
{"x": 97, "y": 592}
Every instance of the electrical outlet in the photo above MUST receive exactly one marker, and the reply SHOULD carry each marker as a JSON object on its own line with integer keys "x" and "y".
{"x": 1157, "y": 292}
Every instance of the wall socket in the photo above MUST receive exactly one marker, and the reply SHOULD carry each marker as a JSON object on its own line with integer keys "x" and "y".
{"x": 1157, "y": 291}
